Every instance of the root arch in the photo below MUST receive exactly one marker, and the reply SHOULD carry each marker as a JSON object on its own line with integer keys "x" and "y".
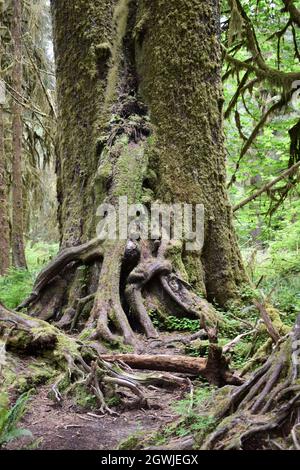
{"x": 117, "y": 310}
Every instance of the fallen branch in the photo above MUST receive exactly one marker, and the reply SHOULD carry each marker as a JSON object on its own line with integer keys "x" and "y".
{"x": 237, "y": 340}
{"x": 267, "y": 187}
{"x": 268, "y": 322}
{"x": 215, "y": 369}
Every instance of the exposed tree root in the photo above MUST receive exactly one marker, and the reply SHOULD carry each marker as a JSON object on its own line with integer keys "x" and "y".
{"x": 186, "y": 339}
{"x": 78, "y": 364}
{"x": 107, "y": 305}
{"x": 108, "y": 319}
{"x": 83, "y": 253}
{"x": 266, "y": 408}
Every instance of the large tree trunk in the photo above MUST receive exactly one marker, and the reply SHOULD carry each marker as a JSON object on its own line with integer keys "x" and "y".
{"x": 139, "y": 116}
{"x": 18, "y": 251}
{"x": 174, "y": 63}
{"x": 4, "y": 224}
{"x": 82, "y": 34}
{"x": 179, "y": 70}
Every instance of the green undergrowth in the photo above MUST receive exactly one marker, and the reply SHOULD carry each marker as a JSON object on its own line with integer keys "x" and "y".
{"x": 273, "y": 261}
{"x": 172, "y": 323}
{"x": 194, "y": 417}
{"x": 10, "y": 417}
{"x": 17, "y": 284}
{"x": 133, "y": 442}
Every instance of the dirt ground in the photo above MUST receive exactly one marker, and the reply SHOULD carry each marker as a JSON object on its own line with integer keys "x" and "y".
{"x": 67, "y": 427}
{"x": 62, "y": 428}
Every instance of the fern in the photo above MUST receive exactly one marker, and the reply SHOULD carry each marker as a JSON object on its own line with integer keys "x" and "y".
{"x": 10, "y": 418}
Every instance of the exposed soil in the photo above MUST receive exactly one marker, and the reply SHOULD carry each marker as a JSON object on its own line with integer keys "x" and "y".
{"x": 67, "y": 427}
{"x": 62, "y": 428}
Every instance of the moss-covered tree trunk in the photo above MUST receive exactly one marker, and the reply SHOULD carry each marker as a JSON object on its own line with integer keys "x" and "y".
{"x": 18, "y": 251}
{"x": 80, "y": 28}
{"x": 4, "y": 225}
{"x": 140, "y": 115}
{"x": 173, "y": 50}
{"x": 179, "y": 69}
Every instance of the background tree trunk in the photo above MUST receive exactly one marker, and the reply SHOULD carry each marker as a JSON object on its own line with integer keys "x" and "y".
{"x": 4, "y": 225}
{"x": 18, "y": 251}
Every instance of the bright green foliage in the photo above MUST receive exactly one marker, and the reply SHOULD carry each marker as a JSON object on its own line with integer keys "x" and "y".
{"x": 186, "y": 407}
{"x": 10, "y": 418}
{"x": 171, "y": 323}
{"x": 268, "y": 227}
{"x": 17, "y": 285}
{"x": 279, "y": 266}
{"x": 194, "y": 416}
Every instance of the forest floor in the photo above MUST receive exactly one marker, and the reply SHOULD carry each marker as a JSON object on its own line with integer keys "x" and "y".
{"x": 67, "y": 426}
{"x": 57, "y": 427}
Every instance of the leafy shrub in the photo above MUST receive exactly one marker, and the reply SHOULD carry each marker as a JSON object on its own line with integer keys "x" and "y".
{"x": 171, "y": 323}
{"x": 186, "y": 407}
{"x": 278, "y": 269}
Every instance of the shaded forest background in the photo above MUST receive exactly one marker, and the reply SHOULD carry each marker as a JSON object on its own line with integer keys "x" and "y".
{"x": 261, "y": 52}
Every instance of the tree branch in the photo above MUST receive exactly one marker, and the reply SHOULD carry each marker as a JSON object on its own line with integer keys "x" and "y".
{"x": 268, "y": 186}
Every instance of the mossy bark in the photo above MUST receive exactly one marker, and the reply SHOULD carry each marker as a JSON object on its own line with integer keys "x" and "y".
{"x": 179, "y": 69}
{"x": 4, "y": 225}
{"x": 82, "y": 37}
{"x": 17, "y": 232}
{"x": 167, "y": 55}
{"x": 140, "y": 101}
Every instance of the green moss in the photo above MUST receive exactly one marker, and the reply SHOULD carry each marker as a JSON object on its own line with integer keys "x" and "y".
{"x": 179, "y": 61}
{"x": 82, "y": 29}
{"x": 83, "y": 398}
{"x": 220, "y": 398}
{"x": 277, "y": 322}
{"x": 65, "y": 344}
{"x": 19, "y": 377}
{"x": 198, "y": 348}
{"x": 174, "y": 254}
{"x": 260, "y": 356}
{"x": 20, "y": 340}
{"x": 133, "y": 442}
{"x": 120, "y": 18}
{"x": 129, "y": 170}
{"x": 41, "y": 372}
{"x": 113, "y": 401}
{"x": 86, "y": 334}
{"x": 140, "y": 26}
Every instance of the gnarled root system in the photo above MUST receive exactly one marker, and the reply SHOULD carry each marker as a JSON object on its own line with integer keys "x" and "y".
{"x": 264, "y": 412}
